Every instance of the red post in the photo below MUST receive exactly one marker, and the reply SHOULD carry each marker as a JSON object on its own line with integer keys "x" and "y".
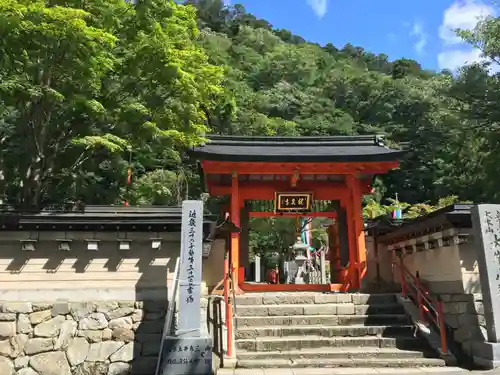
{"x": 420, "y": 299}
{"x": 442, "y": 326}
{"x": 229, "y": 310}
{"x": 402, "y": 277}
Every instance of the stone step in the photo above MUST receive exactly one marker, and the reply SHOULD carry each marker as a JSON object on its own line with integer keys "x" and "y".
{"x": 335, "y": 353}
{"x": 342, "y": 362}
{"x": 330, "y": 320}
{"x": 348, "y": 371}
{"x": 263, "y": 344}
{"x": 318, "y": 309}
{"x": 314, "y": 298}
{"x": 325, "y": 331}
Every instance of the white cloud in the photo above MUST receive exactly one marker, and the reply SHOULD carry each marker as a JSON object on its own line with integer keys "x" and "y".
{"x": 462, "y": 14}
{"x": 319, "y": 7}
{"x": 417, "y": 31}
{"x": 455, "y": 58}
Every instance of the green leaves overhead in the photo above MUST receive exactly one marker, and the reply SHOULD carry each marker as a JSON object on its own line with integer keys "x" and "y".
{"x": 97, "y": 83}
{"x": 89, "y": 89}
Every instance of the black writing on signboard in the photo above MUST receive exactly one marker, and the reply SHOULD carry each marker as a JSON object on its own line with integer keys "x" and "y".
{"x": 293, "y": 202}
{"x": 191, "y": 253}
{"x": 187, "y": 361}
{"x": 489, "y": 221}
{"x": 493, "y": 230}
{"x": 189, "y": 354}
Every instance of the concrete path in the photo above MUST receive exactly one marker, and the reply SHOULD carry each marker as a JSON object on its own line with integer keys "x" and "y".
{"x": 357, "y": 371}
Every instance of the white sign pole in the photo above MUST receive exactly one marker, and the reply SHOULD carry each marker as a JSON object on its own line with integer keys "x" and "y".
{"x": 190, "y": 269}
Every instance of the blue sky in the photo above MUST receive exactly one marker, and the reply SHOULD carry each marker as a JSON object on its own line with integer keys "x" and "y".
{"x": 417, "y": 29}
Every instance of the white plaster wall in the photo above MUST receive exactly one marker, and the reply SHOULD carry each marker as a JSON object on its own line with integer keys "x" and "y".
{"x": 371, "y": 261}
{"x": 470, "y": 267}
{"x": 81, "y": 274}
{"x": 440, "y": 264}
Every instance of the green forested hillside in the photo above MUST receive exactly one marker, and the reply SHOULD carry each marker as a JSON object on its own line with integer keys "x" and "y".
{"x": 89, "y": 89}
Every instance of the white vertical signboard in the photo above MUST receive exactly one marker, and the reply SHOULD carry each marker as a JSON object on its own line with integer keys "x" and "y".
{"x": 190, "y": 269}
{"x": 486, "y": 225}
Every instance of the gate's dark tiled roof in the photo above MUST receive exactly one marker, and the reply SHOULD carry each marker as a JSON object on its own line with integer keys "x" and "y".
{"x": 296, "y": 149}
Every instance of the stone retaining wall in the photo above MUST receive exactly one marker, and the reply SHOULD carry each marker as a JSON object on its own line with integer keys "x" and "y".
{"x": 465, "y": 314}
{"x": 80, "y": 338}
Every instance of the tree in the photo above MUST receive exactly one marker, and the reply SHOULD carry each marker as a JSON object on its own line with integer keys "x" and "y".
{"x": 85, "y": 92}
{"x": 51, "y": 68}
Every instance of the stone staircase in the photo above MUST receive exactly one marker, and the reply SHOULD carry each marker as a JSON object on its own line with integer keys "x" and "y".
{"x": 316, "y": 330}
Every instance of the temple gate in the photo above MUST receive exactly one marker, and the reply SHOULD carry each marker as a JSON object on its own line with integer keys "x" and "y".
{"x": 294, "y": 172}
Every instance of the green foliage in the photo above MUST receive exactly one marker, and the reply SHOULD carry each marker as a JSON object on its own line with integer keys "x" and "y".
{"x": 373, "y": 209}
{"x": 87, "y": 88}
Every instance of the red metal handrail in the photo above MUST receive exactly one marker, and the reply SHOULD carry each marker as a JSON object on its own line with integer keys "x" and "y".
{"x": 429, "y": 308}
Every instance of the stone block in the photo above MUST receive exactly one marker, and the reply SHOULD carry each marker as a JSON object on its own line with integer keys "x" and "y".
{"x": 92, "y": 336}
{"x": 100, "y": 352}
{"x": 7, "y": 329}
{"x": 17, "y": 307}
{"x": 27, "y": 371}
{"x": 478, "y": 308}
{"x": 38, "y": 345}
{"x": 18, "y": 344}
{"x": 123, "y": 334}
{"x": 92, "y": 368}
{"x": 106, "y": 306}
{"x": 118, "y": 368}
{"x": 126, "y": 353}
{"x": 67, "y": 332}
{"x": 119, "y": 313}
{"x": 314, "y": 320}
{"x": 187, "y": 356}
{"x": 24, "y": 324}
{"x": 40, "y": 306}
{"x": 445, "y": 297}
{"x": 455, "y": 307}
{"x": 288, "y": 299}
{"x": 94, "y": 321}
{"x": 249, "y": 300}
{"x": 149, "y": 349}
{"x": 452, "y": 321}
{"x": 344, "y": 298}
{"x": 478, "y": 297}
{"x": 78, "y": 350}
{"x": 144, "y": 365}
{"x": 346, "y": 309}
{"x": 137, "y": 316}
{"x": 285, "y": 310}
{"x": 7, "y": 317}
{"x": 373, "y": 299}
{"x": 486, "y": 354}
{"x": 148, "y": 337}
{"x": 40, "y": 316}
{"x": 5, "y": 348}
{"x": 320, "y": 309}
{"x": 6, "y": 366}
{"x": 462, "y": 298}
{"x": 80, "y": 310}
{"x": 462, "y": 334}
{"x": 60, "y": 308}
{"x": 326, "y": 298}
{"x": 262, "y": 321}
{"x": 50, "y": 328}
{"x": 21, "y": 362}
